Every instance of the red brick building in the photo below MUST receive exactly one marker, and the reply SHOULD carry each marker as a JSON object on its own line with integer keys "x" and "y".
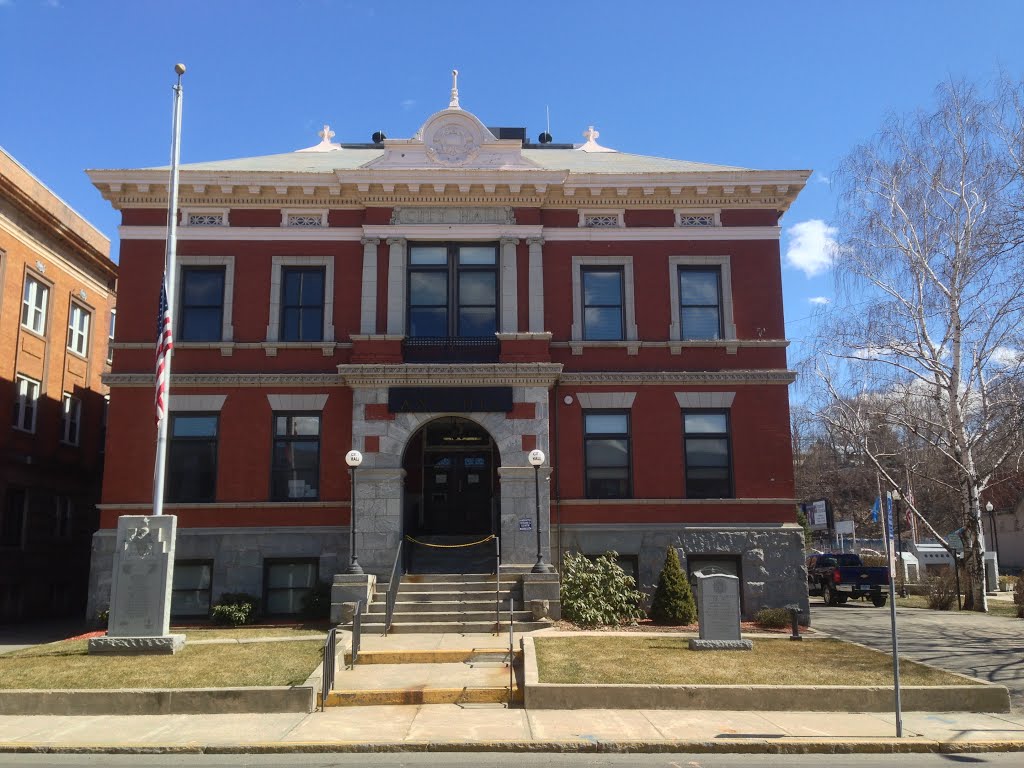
{"x": 56, "y": 315}
{"x": 445, "y": 304}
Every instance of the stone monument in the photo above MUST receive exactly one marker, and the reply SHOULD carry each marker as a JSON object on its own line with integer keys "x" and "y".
{"x": 718, "y": 611}
{"x": 140, "y": 592}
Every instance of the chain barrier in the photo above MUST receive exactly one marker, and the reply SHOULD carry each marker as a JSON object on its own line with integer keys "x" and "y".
{"x": 492, "y": 537}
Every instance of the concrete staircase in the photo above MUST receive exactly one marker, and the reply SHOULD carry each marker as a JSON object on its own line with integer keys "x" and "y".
{"x": 462, "y": 603}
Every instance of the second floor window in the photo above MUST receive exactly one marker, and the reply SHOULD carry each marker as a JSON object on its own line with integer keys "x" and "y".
{"x": 453, "y": 290}
{"x": 295, "y": 475}
{"x": 192, "y": 458}
{"x": 606, "y": 455}
{"x": 302, "y": 304}
{"x": 33, "y": 307}
{"x": 70, "y": 419}
{"x": 602, "y": 304}
{"x": 700, "y": 301}
{"x": 26, "y": 402}
{"x": 707, "y": 454}
{"x": 78, "y": 330}
{"x": 201, "y": 313}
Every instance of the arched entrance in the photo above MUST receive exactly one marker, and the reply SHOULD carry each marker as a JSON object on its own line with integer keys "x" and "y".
{"x": 451, "y": 480}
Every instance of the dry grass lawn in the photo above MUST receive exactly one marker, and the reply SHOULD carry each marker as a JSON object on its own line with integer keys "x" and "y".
{"x": 669, "y": 661}
{"x": 67, "y": 664}
{"x": 249, "y": 633}
{"x": 995, "y": 607}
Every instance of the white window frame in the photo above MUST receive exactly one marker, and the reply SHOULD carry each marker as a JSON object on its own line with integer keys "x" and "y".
{"x": 630, "y": 341}
{"x": 227, "y": 332}
{"x": 70, "y": 428}
{"x": 619, "y": 213}
{"x": 78, "y": 339}
{"x": 724, "y": 265}
{"x": 716, "y": 213}
{"x": 110, "y": 335}
{"x": 188, "y": 213}
{"x": 24, "y": 385}
{"x": 34, "y": 288}
{"x": 287, "y": 213}
{"x": 278, "y": 263}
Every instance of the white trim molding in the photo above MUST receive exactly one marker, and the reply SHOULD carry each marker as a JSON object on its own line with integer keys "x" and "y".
{"x": 705, "y": 399}
{"x": 297, "y": 402}
{"x": 644, "y": 234}
{"x": 203, "y": 217}
{"x": 628, "y": 308}
{"x": 606, "y": 400}
{"x": 277, "y": 265}
{"x": 228, "y": 262}
{"x": 196, "y": 403}
{"x": 676, "y": 343}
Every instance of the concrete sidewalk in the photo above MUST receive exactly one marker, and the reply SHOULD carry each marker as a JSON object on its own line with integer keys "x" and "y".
{"x": 491, "y": 728}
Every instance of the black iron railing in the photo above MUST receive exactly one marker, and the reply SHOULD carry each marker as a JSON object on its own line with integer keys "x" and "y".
{"x": 450, "y": 349}
{"x": 393, "y": 582}
{"x": 327, "y": 677}
{"x": 497, "y": 585}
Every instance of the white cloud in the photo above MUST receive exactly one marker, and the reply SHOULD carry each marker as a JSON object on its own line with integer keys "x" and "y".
{"x": 822, "y": 178}
{"x": 819, "y": 300}
{"x": 812, "y": 246}
{"x": 1005, "y": 357}
{"x": 408, "y": 103}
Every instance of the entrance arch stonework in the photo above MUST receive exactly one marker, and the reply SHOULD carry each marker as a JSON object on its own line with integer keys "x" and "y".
{"x": 379, "y": 490}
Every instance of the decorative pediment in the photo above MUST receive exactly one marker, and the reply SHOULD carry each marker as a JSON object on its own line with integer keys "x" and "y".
{"x": 452, "y": 138}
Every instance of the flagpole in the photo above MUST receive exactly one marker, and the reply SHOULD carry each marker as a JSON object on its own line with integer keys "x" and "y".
{"x": 160, "y": 464}
{"x": 889, "y": 557}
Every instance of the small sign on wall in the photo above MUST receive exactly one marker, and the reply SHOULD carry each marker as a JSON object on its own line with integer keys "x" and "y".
{"x": 525, "y": 523}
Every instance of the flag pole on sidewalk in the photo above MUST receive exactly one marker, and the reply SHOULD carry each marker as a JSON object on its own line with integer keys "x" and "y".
{"x": 890, "y": 551}
{"x": 165, "y": 313}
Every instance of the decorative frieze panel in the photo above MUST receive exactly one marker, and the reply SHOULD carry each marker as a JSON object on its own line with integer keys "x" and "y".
{"x": 453, "y": 215}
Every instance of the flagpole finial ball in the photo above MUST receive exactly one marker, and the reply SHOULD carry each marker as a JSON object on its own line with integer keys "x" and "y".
{"x": 179, "y": 69}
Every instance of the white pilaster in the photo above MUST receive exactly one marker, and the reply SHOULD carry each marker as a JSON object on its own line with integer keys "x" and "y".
{"x": 509, "y": 286}
{"x": 396, "y": 286}
{"x": 536, "y": 285}
{"x": 368, "y": 313}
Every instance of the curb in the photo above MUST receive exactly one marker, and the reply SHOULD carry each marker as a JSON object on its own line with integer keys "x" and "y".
{"x": 788, "y": 746}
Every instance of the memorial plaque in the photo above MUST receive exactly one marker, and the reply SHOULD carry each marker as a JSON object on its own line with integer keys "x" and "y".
{"x": 140, "y": 593}
{"x": 718, "y": 611}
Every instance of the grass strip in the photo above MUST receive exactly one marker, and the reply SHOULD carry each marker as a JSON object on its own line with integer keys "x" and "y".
{"x": 669, "y": 661}
{"x": 995, "y": 607}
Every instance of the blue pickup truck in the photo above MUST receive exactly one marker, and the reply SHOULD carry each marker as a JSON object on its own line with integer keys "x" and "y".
{"x": 838, "y": 577}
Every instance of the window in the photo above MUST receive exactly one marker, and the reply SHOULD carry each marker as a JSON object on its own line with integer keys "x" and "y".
{"x": 70, "y": 419}
{"x": 33, "y": 307}
{"x": 453, "y": 290}
{"x": 78, "y": 330}
{"x": 12, "y": 518}
{"x": 192, "y": 458}
{"x": 25, "y": 403}
{"x": 295, "y": 474}
{"x": 64, "y": 516}
{"x": 287, "y": 583}
{"x": 201, "y": 315}
{"x": 700, "y": 301}
{"x": 602, "y": 304}
{"x": 606, "y": 455}
{"x": 302, "y": 304}
{"x": 110, "y": 336}
{"x": 191, "y": 588}
{"x": 708, "y": 455}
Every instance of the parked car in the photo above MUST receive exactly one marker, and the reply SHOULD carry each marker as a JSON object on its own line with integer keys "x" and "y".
{"x": 840, "y": 576}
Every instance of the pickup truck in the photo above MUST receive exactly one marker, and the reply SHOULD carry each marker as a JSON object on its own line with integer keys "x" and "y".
{"x": 838, "y": 577}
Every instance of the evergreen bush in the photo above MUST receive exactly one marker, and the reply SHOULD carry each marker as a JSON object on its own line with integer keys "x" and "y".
{"x": 235, "y": 609}
{"x": 598, "y": 592}
{"x": 673, "y": 600}
{"x": 773, "y": 618}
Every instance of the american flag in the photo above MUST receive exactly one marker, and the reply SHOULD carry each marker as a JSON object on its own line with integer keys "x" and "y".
{"x": 164, "y": 345}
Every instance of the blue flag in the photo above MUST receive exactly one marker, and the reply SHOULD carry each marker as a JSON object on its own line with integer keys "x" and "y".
{"x": 875, "y": 508}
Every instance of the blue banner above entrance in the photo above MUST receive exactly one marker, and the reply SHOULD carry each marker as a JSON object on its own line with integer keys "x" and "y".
{"x": 449, "y": 399}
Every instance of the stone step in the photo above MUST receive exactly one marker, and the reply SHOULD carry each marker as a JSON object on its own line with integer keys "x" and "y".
{"x": 460, "y": 627}
{"x": 405, "y": 606}
{"x": 472, "y": 656}
{"x": 448, "y": 578}
{"x": 397, "y": 696}
{"x": 460, "y": 586}
{"x": 477, "y": 595}
{"x": 454, "y": 614}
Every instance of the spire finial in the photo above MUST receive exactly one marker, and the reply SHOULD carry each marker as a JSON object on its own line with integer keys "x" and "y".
{"x": 454, "y": 103}
{"x": 590, "y": 134}
{"x": 325, "y": 134}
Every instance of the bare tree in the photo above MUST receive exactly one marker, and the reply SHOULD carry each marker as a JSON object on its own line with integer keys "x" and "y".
{"x": 931, "y": 270}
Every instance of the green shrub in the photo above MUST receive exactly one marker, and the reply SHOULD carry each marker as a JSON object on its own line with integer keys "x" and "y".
{"x": 1018, "y": 596}
{"x": 773, "y": 618}
{"x": 317, "y": 603}
{"x": 235, "y": 609}
{"x": 598, "y": 592}
{"x": 942, "y": 592}
{"x": 673, "y": 600}
{"x": 102, "y": 618}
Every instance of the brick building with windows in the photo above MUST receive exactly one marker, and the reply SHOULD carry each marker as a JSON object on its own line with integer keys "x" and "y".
{"x": 56, "y": 305}
{"x": 445, "y": 304}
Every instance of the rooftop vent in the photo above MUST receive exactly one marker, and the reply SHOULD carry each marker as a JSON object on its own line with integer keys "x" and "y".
{"x": 509, "y": 133}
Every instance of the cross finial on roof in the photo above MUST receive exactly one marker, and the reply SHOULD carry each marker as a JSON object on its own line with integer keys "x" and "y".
{"x": 454, "y": 103}
{"x": 325, "y": 134}
{"x": 590, "y": 134}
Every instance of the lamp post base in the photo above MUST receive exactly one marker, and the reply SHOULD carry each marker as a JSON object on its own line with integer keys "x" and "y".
{"x": 354, "y": 568}
{"x": 542, "y": 567}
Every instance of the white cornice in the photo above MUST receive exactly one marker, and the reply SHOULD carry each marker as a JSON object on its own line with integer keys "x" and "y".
{"x": 296, "y": 234}
{"x": 448, "y": 375}
{"x": 660, "y": 233}
{"x": 680, "y": 378}
{"x": 462, "y": 231}
{"x": 199, "y": 380}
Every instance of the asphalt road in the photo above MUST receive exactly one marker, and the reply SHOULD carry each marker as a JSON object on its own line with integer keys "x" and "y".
{"x": 986, "y": 647}
{"x": 495, "y": 760}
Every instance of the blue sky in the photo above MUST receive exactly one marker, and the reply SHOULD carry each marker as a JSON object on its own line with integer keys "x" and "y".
{"x": 87, "y": 83}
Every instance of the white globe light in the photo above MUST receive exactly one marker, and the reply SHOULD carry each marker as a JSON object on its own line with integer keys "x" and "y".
{"x": 353, "y": 458}
{"x": 537, "y": 457}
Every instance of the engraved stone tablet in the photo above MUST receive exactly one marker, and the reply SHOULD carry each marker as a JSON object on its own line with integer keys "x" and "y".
{"x": 140, "y": 594}
{"x": 718, "y": 611}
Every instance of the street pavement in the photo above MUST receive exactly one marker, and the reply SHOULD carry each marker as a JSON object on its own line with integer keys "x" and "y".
{"x": 987, "y": 647}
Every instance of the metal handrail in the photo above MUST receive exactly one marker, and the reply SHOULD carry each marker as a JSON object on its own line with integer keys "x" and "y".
{"x": 357, "y": 633}
{"x": 497, "y": 585}
{"x": 393, "y": 582}
{"x": 511, "y": 652}
{"x": 327, "y": 676}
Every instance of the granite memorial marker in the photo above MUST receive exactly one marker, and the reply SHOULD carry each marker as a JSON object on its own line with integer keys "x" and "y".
{"x": 140, "y": 592}
{"x": 718, "y": 612}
